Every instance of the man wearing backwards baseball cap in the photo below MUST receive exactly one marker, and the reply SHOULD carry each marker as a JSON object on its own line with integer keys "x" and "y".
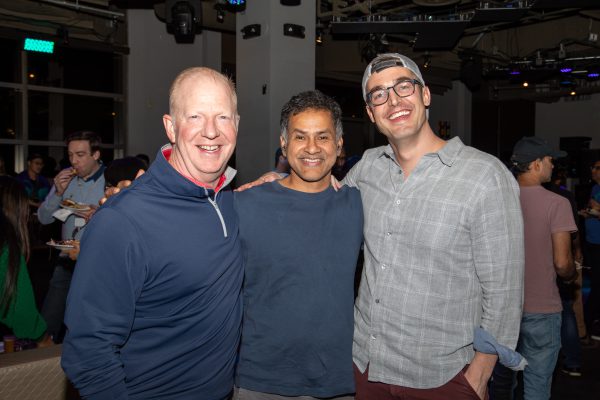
{"x": 443, "y": 250}
{"x": 549, "y": 223}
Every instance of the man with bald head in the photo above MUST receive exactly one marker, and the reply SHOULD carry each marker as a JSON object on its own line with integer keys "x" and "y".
{"x": 154, "y": 310}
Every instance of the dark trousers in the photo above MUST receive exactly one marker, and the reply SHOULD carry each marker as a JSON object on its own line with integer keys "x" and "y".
{"x": 592, "y": 305}
{"x": 53, "y": 309}
{"x": 569, "y": 335}
{"x": 458, "y": 388}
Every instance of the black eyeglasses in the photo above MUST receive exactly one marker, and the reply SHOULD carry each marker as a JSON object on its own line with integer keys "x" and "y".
{"x": 403, "y": 88}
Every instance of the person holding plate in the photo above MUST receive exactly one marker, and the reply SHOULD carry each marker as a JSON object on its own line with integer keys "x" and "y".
{"x": 592, "y": 253}
{"x": 73, "y": 197}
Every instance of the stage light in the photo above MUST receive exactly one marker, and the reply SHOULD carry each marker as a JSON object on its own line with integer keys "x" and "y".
{"x": 525, "y": 84}
{"x": 566, "y": 70}
{"x": 184, "y": 19}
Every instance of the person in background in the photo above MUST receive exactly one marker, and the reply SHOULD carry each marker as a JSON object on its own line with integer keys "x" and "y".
{"x": 592, "y": 254}
{"x": 49, "y": 170}
{"x": 3, "y": 167}
{"x": 123, "y": 169}
{"x": 145, "y": 159}
{"x": 36, "y": 185}
{"x": 155, "y": 307}
{"x": 83, "y": 183}
{"x": 120, "y": 170}
{"x": 340, "y": 169}
{"x": 17, "y": 303}
{"x": 570, "y": 294}
{"x": 300, "y": 241}
{"x": 549, "y": 224}
{"x": 282, "y": 166}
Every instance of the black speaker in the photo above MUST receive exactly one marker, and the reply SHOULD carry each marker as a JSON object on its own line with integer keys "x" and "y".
{"x": 471, "y": 70}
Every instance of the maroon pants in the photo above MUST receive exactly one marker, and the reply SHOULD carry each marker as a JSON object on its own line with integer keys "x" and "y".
{"x": 457, "y": 389}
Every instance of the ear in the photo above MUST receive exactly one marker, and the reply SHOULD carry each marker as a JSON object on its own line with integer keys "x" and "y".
{"x": 96, "y": 155}
{"x": 426, "y": 96}
{"x": 169, "y": 127}
{"x": 340, "y": 143}
{"x": 370, "y": 113}
{"x": 283, "y": 145}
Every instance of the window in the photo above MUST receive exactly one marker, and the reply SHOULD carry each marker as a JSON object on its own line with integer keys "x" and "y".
{"x": 55, "y": 94}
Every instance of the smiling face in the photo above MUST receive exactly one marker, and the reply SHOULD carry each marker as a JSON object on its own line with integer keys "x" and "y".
{"x": 202, "y": 126}
{"x": 311, "y": 150}
{"x": 400, "y": 117}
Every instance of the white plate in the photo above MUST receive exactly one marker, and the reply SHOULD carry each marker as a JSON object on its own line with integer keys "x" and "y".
{"x": 81, "y": 208}
{"x": 59, "y": 246}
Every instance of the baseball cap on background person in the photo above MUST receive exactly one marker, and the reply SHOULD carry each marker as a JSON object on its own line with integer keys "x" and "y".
{"x": 531, "y": 148}
{"x": 388, "y": 60}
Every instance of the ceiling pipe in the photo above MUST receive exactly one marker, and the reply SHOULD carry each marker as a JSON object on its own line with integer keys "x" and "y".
{"x": 92, "y": 10}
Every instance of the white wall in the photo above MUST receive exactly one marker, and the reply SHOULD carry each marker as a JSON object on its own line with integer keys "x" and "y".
{"x": 154, "y": 61}
{"x": 569, "y": 118}
{"x": 455, "y": 107}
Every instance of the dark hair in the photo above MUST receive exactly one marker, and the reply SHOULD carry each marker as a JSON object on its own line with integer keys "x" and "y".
{"x": 311, "y": 100}
{"x": 518, "y": 168}
{"x": 278, "y": 153}
{"x": 33, "y": 156}
{"x": 144, "y": 158}
{"x": 14, "y": 213}
{"x": 90, "y": 136}
{"x": 123, "y": 169}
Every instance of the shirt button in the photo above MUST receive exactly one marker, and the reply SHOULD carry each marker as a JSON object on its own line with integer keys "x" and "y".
{"x": 383, "y": 266}
{"x": 377, "y": 301}
{"x": 388, "y": 233}
{"x": 373, "y": 337}
{"x": 398, "y": 202}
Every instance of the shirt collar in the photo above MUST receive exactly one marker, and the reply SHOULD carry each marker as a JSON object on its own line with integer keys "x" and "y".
{"x": 446, "y": 154}
{"x": 99, "y": 173}
{"x": 167, "y": 150}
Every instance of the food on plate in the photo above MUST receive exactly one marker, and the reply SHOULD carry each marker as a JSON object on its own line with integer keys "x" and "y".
{"x": 73, "y": 204}
{"x": 69, "y": 242}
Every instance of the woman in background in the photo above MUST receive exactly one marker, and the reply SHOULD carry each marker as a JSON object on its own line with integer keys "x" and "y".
{"x": 18, "y": 310}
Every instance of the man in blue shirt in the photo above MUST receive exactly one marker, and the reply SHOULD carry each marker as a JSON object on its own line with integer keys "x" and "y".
{"x": 300, "y": 241}
{"x": 155, "y": 307}
{"x": 82, "y": 183}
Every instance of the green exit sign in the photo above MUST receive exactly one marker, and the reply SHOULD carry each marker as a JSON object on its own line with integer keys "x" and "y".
{"x": 42, "y": 46}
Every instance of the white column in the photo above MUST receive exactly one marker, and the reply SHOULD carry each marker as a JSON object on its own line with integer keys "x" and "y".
{"x": 270, "y": 69}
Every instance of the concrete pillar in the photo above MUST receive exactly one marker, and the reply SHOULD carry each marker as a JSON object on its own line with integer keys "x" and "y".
{"x": 270, "y": 69}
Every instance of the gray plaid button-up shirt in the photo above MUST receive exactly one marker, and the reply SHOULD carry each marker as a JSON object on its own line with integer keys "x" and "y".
{"x": 443, "y": 255}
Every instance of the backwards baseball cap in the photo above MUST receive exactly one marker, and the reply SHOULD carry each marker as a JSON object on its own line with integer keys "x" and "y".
{"x": 531, "y": 148}
{"x": 388, "y": 60}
